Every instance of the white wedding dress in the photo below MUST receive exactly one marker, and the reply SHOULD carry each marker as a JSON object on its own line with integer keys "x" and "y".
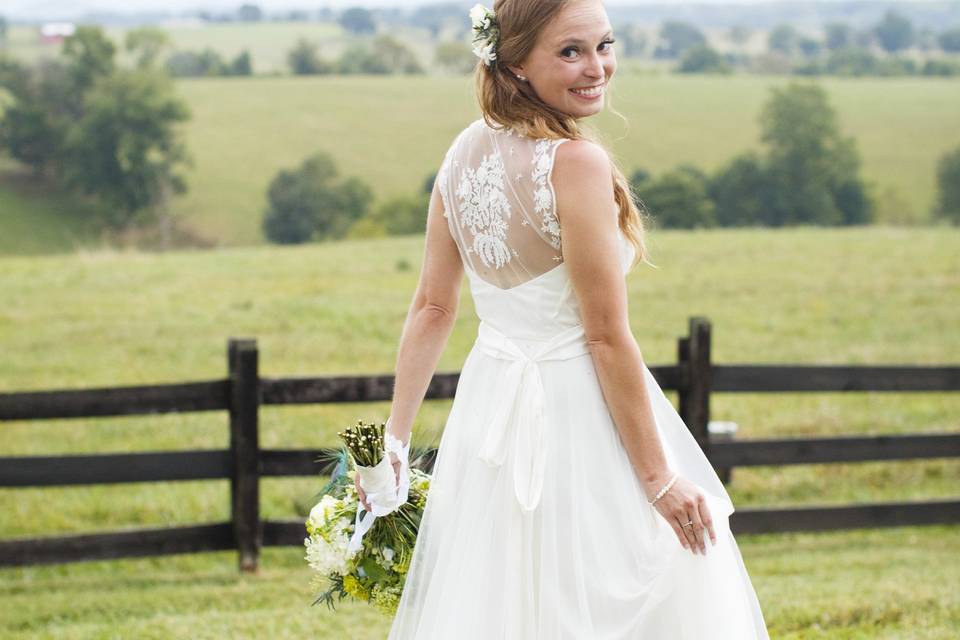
{"x": 536, "y": 526}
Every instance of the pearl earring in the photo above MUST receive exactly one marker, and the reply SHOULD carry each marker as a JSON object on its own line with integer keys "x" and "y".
{"x": 522, "y": 78}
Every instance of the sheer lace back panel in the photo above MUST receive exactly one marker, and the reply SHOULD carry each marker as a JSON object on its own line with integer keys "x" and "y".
{"x": 500, "y": 204}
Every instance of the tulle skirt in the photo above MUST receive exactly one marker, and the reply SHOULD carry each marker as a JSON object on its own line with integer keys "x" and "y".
{"x": 593, "y": 560}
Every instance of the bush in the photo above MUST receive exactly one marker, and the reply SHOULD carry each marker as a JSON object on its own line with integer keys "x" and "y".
{"x": 310, "y": 202}
{"x": 948, "y": 187}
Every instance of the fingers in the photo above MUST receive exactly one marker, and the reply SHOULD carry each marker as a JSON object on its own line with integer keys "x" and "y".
{"x": 680, "y": 534}
{"x": 707, "y": 519}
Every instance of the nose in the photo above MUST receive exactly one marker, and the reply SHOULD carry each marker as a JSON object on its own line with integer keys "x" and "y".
{"x": 595, "y": 70}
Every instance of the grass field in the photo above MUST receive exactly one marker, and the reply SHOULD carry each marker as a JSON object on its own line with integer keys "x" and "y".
{"x": 392, "y": 133}
{"x": 880, "y": 295}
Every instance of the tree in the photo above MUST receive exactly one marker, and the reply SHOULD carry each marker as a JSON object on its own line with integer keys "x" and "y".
{"x": 146, "y": 44}
{"x": 838, "y": 35}
{"x": 304, "y": 59}
{"x": 455, "y": 56}
{"x": 703, "y": 59}
{"x": 310, "y": 202}
{"x": 34, "y": 123}
{"x": 894, "y": 31}
{"x": 678, "y": 199}
{"x": 809, "y": 164}
{"x": 249, "y": 13}
{"x": 679, "y": 36}
{"x": 125, "y": 149}
{"x": 241, "y": 65}
{"x": 90, "y": 56}
{"x": 809, "y": 47}
{"x": 737, "y": 191}
{"x": 948, "y": 187}
{"x": 385, "y": 56}
{"x": 852, "y": 61}
{"x": 358, "y": 20}
{"x": 949, "y": 40}
{"x": 402, "y": 215}
{"x": 784, "y": 38}
{"x": 191, "y": 64}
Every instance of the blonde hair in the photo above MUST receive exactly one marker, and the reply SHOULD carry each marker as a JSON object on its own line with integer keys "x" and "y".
{"x": 511, "y": 103}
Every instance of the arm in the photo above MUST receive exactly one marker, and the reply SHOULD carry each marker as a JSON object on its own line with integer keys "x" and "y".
{"x": 429, "y": 321}
{"x": 587, "y": 214}
{"x": 588, "y": 217}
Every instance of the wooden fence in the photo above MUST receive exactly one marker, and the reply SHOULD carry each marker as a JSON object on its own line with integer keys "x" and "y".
{"x": 694, "y": 377}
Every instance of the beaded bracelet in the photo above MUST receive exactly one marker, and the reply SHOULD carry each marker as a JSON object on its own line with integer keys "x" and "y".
{"x": 666, "y": 488}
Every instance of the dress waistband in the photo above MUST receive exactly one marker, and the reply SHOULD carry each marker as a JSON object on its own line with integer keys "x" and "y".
{"x": 518, "y": 419}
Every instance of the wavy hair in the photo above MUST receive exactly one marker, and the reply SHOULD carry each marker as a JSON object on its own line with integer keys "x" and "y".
{"x": 508, "y": 102}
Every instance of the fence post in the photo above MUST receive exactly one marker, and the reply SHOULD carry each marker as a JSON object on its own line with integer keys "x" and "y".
{"x": 244, "y": 446}
{"x": 693, "y": 354}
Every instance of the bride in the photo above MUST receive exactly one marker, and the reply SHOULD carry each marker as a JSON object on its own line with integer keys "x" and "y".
{"x": 568, "y": 498}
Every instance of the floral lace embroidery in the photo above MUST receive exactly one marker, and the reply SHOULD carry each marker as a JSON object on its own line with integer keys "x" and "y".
{"x": 542, "y": 195}
{"x": 484, "y": 208}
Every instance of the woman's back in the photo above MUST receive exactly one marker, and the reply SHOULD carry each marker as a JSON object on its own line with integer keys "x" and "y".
{"x": 500, "y": 206}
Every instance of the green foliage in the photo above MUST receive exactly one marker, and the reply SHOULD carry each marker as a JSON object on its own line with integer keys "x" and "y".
{"x": 208, "y": 62}
{"x": 678, "y": 36}
{"x": 809, "y": 164}
{"x": 386, "y": 55}
{"x": 736, "y": 190}
{"x": 43, "y": 105}
{"x": 358, "y": 20}
{"x": 783, "y": 38}
{"x": 304, "y": 59}
{"x": 146, "y": 43}
{"x": 809, "y": 175}
{"x": 90, "y": 56}
{"x": 894, "y": 31}
{"x": 456, "y": 57}
{"x": 838, "y": 35}
{"x": 678, "y": 199}
{"x": 948, "y": 187}
{"x": 124, "y": 149}
{"x": 703, "y": 59}
{"x": 249, "y": 13}
{"x": 949, "y": 40}
{"x": 402, "y": 215}
{"x": 311, "y": 203}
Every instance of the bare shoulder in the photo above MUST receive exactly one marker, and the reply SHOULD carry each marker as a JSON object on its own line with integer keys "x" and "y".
{"x": 582, "y": 178}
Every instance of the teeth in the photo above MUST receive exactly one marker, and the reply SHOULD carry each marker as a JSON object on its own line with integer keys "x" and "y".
{"x": 590, "y": 93}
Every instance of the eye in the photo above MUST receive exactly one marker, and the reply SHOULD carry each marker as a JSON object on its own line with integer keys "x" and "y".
{"x": 608, "y": 41}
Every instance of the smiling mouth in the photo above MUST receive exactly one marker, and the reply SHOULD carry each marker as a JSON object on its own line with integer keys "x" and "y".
{"x": 590, "y": 92}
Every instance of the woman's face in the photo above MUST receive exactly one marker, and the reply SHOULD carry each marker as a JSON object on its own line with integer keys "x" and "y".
{"x": 573, "y": 60}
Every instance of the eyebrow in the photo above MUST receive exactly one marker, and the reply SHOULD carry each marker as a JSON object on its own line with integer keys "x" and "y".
{"x": 579, "y": 41}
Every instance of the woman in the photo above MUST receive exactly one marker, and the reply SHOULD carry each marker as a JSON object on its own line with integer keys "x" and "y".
{"x": 569, "y": 500}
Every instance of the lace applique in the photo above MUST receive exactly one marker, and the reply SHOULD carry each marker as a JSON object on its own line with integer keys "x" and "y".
{"x": 484, "y": 208}
{"x": 543, "y": 193}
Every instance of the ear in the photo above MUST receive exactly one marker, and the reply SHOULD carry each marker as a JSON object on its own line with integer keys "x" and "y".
{"x": 515, "y": 69}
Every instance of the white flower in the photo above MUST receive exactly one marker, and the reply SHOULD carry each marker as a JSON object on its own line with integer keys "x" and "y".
{"x": 477, "y": 14}
{"x": 327, "y": 557}
{"x": 485, "y": 53}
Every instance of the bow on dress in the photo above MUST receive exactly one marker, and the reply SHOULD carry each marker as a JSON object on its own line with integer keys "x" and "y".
{"x": 518, "y": 423}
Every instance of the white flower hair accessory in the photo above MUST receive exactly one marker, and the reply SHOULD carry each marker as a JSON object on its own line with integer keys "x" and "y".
{"x": 486, "y": 33}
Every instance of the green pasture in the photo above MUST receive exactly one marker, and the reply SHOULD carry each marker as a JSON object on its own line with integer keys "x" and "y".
{"x": 98, "y": 318}
{"x": 393, "y": 132}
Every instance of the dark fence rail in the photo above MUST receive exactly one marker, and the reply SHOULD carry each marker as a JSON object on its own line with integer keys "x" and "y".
{"x": 244, "y": 463}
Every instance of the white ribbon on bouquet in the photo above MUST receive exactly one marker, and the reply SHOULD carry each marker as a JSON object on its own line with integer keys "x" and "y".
{"x": 380, "y": 483}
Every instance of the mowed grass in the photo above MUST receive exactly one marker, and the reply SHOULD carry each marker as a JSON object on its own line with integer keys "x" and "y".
{"x": 880, "y": 295}
{"x": 392, "y": 132}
